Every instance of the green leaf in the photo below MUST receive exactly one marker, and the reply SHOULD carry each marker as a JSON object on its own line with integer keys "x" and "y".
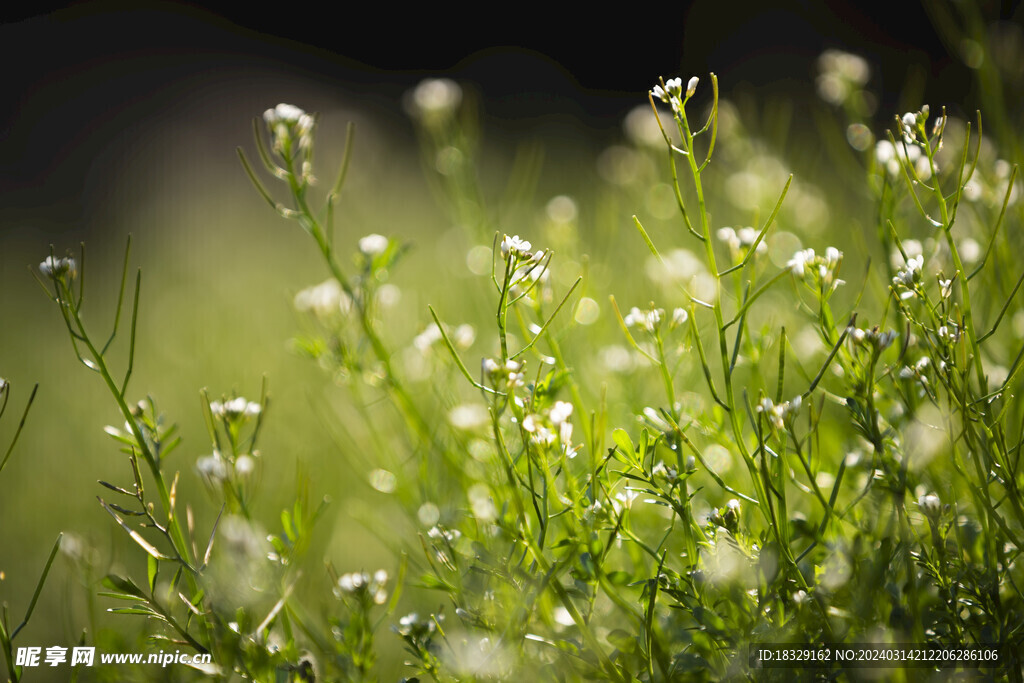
{"x": 619, "y": 578}
{"x": 120, "y": 583}
{"x": 152, "y": 569}
{"x": 625, "y": 445}
{"x": 623, "y": 640}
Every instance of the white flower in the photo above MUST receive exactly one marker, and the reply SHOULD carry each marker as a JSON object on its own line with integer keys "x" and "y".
{"x": 799, "y": 261}
{"x": 560, "y": 412}
{"x": 244, "y": 465}
{"x": 234, "y": 409}
{"x": 373, "y": 245}
{"x": 691, "y": 86}
{"x": 286, "y": 113}
{"x": 212, "y": 467}
{"x": 286, "y": 120}
{"x": 673, "y": 86}
{"x": 782, "y": 414}
{"x": 355, "y": 583}
{"x": 435, "y": 97}
{"x": 930, "y": 505}
{"x": 646, "y": 320}
{"x": 911, "y": 274}
{"x": 324, "y": 300}
{"x": 518, "y": 247}
{"x": 729, "y": 236}
{"x": 427, "y": 338}
{"x": 464, "y": 336}
{"x": 58, "y": 267}
{"x": 679, "y": 317}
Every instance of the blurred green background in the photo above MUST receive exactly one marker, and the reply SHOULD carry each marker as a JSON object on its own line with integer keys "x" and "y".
{"x": 128, "y": 138}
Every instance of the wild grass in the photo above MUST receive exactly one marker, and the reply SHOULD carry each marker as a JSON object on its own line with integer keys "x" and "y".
{"x": 620, "y": 455}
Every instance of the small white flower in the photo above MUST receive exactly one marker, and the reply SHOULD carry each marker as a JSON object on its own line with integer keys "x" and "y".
{"x": 244, "y": 465}
{"x": 646, "y": 320}
{"x": 286, "y": 121}
{"x": 435, "y": 98}
{"x": 324, "y": 300}
{"x": 54, "y": 267}
{"x": 729, "y": 236}
{"x": 800, "y": 259}
{"x": 733, "y": 505}
{"x": 691, "y": 86}
{"x": 518, "y": 247}
{"x": 212, "y": 467}
{"x": 679, "y": 317}
{"x": 781, "y": 414}
{"x": 373, "y": 245}
{"x": 673, "y": 87}
{"x": 464, "y": 336}
{"x": 626, "y": 497}
{"x": 283, "y": 113}
{"x": 911, "y": 274}
{"x": 427, "y": 338}
{"x": 560, "y": 412}
{"x": 930, "y": 505}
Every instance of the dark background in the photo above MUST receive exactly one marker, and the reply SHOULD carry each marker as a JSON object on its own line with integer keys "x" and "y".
{"x": 96, "y": 57}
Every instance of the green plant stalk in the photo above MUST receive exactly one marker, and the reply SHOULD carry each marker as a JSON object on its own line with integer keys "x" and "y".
{"x": 405, "y": 403}
{"x": 176, "y": 534}
{"x": 723, "y": 345}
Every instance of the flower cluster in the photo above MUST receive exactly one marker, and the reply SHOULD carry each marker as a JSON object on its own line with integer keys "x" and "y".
{"x": 909, "y": 276}
{"x": 364, "y": 586}
{"x": 373, "y": 245}
{"x": 805, "y": 263}
{"x": 434, "y": 99}
{"x": 508, "y": 374}
{"x": 782, "y": 414}
{"x": 234, "y": 410}
{"x": 551, "y": 426}
{"x": 671, "y": 92}
{"x": 518, "y": 248}
{"x": 414, "y": 627}
{"x": 647, "y": 320}
{"x": 289, "y": 125}
{"x": 462, "y": 337}
{"x": 741, "y": 239}
{"x": 930, "y": 505}
{"x": 873, "y": 337}
{"x": 912, "y": 125}
{"x": 326, "y": 300}
{"x": 58, "y": 268}
{"x": 890, "y": 157}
